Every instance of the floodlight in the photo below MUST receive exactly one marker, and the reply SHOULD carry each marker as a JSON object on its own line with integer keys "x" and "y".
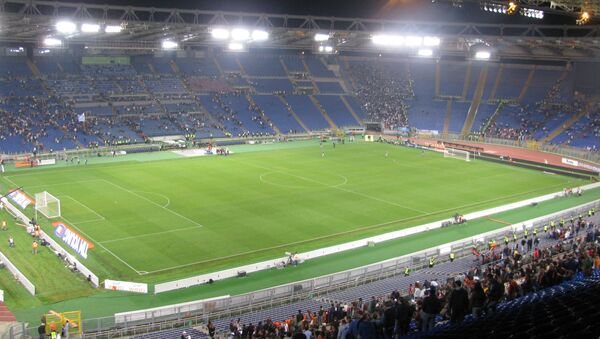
{"x": 413, "y": 41}
{"x": 113, "y": 29}
{"x": 66, "y": 27}
{"x": 260, "y": 35}
{"x": 220, "y": 33}
{"x": 321, "y": 37}
{"x": 52, "y": 42}
{"x": 431, "y": 41}
{"x": 483, "y": 55}
{"x": 426, "y": 52}
{"x": 240, "y": 34}
{"x": 328, "y": 49}
{"x": 236, "y": 46}
{"x": 90, "y": 28}
{"x": 388, "y": 40}
{"x": 168, "y": 44}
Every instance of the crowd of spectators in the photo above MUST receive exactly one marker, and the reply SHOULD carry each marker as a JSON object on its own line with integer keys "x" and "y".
{"x": 514, "y": 270}
{"x": 383, "y": 92}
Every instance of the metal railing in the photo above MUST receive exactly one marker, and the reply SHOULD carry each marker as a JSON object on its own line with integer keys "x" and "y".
{"x": 301, "y": 290}
{"x": 592, "y": 156}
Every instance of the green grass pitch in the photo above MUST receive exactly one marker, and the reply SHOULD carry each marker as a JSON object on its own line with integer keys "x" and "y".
{"x": 153, "y": 221}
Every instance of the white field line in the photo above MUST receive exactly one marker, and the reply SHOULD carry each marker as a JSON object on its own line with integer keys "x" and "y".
{"x": 286, "y": 245}
{"x": 151, "y": 234}
{"x": 101, "y": 245}
{"x": 152, "y": 202}
{"x": 64, "y": 183}
{"x": 340, "y": 188}
{"x": 95, "y": 242}
{"x": 159, "y": 195}
{"x": 89, "y": 209}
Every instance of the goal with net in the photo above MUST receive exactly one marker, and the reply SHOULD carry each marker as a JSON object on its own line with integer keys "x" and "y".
{"x": 47, "y": 204}
{"x": 457, "y": 154}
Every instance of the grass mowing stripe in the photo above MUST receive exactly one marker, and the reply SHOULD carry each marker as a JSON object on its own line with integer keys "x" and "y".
{"x": 154, "y": 203}
{"x": 337, "y": 187}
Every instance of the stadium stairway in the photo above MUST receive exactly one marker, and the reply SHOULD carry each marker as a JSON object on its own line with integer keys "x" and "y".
{"x": 265, "y": 116}
{"x": 526, "y": 85}
{"x": 292, "y": 112}
{"x": 447, "y": 117}
{"x": 360, "y": 122}
{"x": 467, "y": 82}
{"x": 284, "y": 66}
{"x": 437, "y": 79}
{"x": 217, "y": 65}
{"x": 476, "y": 101}
{"x": 174, "y": 66}
{"x": 322, "y": 110}
{"x": 493, "y": 117}
{"x": 5, "y": 314}
{"x": 573, "y": 119}
{"x": 492, "y": 95}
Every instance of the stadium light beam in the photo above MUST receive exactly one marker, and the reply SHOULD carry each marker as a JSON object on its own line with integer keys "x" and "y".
{"x": 425, "y": 52}
{"x": 431, "y": 41}
{"x": 236, "y": 46}
{"x": 240, "y": 34}
{"x": 52, "y": 42}
{"x": 413, "y": 41}
{"x": 220, "y": 33}
{"x": 168, "y": 44}
{"x": 90, "y": 28}
{"x": 483, "y": 55}
{"x": 66, "y": 27}
{"x": 260, "y": 35}
{"x": 321, "y": 37}
{"x": 113, "y": 29}
{"x": 388, "y": 40}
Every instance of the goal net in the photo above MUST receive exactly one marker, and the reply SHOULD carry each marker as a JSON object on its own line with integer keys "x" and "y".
{"x": 47, "y": 204}
{"x": 457, "y": 154}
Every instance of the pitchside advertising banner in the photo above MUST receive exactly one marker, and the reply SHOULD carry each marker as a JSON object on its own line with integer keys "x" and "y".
{"x": 125, "y": 286}
{"x": 20, "y": 198}
{"x": 580, "y": 164}
{"x": 74, "y": 240}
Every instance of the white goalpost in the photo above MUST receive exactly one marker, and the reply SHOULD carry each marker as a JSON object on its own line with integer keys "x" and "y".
{"x": 457, "y": 154}
{"x": 47, "y": 204}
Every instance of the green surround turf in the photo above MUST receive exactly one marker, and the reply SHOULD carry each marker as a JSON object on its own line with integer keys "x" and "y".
{"x": 251, "y": 201}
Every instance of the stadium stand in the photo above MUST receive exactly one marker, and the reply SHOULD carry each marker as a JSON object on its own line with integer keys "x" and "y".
{"x": 537, "y": 100}
{"x": 535, "y": 286}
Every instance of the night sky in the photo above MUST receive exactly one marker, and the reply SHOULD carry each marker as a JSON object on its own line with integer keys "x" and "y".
{"x": 420, "y": 10}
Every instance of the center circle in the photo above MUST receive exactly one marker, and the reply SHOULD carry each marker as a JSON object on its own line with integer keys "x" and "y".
{"x": 290, "y": 179}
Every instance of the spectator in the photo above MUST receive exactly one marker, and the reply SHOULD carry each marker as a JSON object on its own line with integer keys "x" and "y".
{"x": 458, "y": 303}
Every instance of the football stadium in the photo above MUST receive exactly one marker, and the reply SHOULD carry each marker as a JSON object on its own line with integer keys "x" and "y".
{"x": 281, "y": 169}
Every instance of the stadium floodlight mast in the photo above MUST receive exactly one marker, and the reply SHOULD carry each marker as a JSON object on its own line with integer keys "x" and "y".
{"x": 169, "y": 44}
{"x": 220, "y": 33}
{"x": 320, "y": 37}
{"x": 113, "y": 29}
{"x": 389, "y": 40}
{"x": 483, "y": 55}
{"x": 90, "y": 28}
{"x": 240, "y": 34}
{"x": 52, "y": 42}
{"x": 66, "y": 27}
{"x": 413, "y": 41}
{"x": 236, "y": 46}
{"x": 425, "y": 52}
{"x": 260, "y": 35}
{"x": 431, "y": 41}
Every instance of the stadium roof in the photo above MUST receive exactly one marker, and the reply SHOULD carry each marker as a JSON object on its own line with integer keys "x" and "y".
{"x": 143, "y": 28}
